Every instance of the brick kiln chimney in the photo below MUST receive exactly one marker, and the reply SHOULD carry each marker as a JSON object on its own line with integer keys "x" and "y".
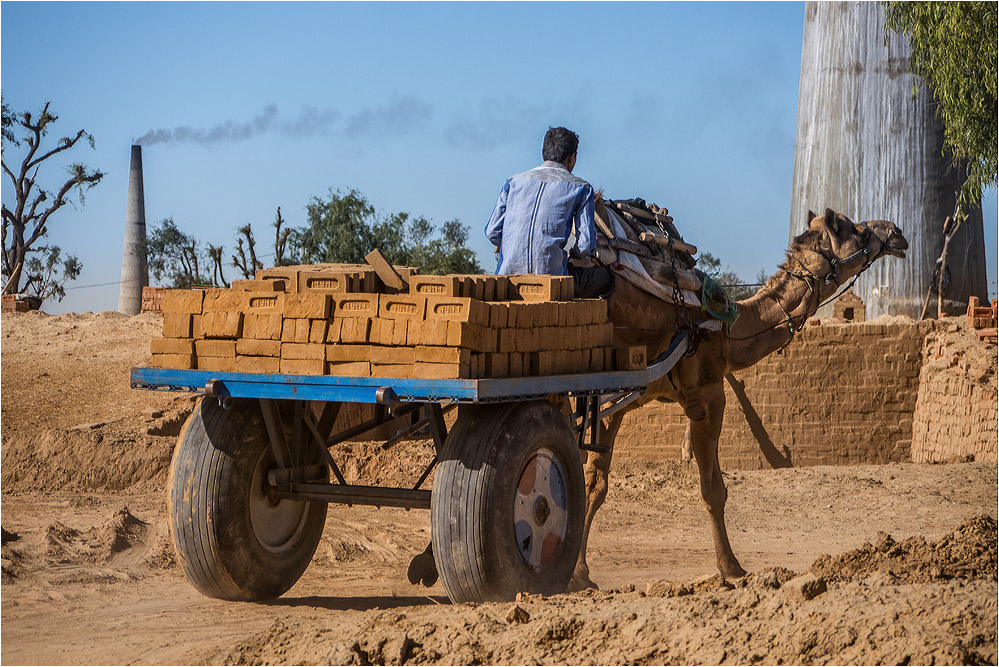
{"x": 867, "y": 148}
{"x": 134, "y": 274}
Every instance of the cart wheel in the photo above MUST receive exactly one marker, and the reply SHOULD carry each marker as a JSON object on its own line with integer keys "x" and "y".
{"x": 234, "y": 541}
{"x": 508, "y": 502}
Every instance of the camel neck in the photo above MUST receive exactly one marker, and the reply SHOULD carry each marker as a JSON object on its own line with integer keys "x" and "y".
{"x": 768, "y": 319}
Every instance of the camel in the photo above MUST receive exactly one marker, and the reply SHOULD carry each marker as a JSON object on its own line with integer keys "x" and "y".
{"x": 830, "y": 253}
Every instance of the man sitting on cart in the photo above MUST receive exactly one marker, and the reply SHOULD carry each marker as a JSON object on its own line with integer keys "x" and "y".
{"x": 536, "y": 212}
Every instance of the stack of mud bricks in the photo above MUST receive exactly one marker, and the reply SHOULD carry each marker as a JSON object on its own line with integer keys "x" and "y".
{"x": 343, "y": 320}
{"x": 983, "y": 319}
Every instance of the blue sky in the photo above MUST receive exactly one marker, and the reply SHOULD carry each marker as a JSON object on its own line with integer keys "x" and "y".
{"x": 424, "y": 108}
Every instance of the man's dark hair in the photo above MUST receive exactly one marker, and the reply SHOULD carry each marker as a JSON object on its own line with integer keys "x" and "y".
{"x": 560, "y": 143}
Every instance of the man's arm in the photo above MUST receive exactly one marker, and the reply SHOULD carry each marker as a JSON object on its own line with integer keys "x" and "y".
{"x": 586, "y": 233}
{"x": 494, "y": 228}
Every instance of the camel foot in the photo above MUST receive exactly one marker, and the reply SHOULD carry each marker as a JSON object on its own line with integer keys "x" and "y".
{"x": 730, "y": 569}
{"x": 423, "y": 568}
{"x": 580, "y": 582}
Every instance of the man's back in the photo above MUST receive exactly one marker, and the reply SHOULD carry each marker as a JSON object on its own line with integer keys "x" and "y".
{"x": 534, "y": 217}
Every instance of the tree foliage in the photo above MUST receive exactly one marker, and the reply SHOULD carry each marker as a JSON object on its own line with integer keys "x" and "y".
{"x": 344, "y": 227}
{"x": 735, "y": 287}
{"x": 26, "y": 223}
{"x": 954, "y": 51}
{"x": 177, "y": 257}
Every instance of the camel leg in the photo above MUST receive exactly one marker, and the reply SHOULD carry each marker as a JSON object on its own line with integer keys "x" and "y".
{"x": 595, "y": 473}
{"x": 704, "y": 435}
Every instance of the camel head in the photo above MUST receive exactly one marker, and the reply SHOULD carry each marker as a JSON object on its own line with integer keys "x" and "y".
{"x": 834, "y": 245}
{"x": 886, "y": 238}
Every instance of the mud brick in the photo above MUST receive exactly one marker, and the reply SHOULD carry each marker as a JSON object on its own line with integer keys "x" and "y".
{"x": 390, "y": 278}
{"x": 414, "y": 332}
{"x": 265, "y": 286}
{"x": 580, "y": 361}
{"x": 502, "y": 287}
{"x": 215, "y": 348}
{"x": 473, "y": 367}
{"x": 303, "y": 366}
{"x": 575, "y": 338}
{"x": 576, "y": 313}
{"x": 345, "y": 353}
{"x": 176, "y": 325}
{"x": 436, "y": 285}
{"x": 356, "y": 305}
{"x": 516, "y": 364}
{"x": 392, "y": 370}
{"x": 196, "y": 330}
{"x": 328, "y": 283}
{"x": 182, "y": 361}
{"x": 182, "y": 301}
{"x": 171, "y": 346}
{"x": 400, "y": 332}
{"x": 507, "y": 340}
{"x": 374, "y": 331}
{"x": 598, "y": 311}
{"x": 310, "y": 351}
{"x": 521, "y": 315}
{"x": 441, "y": 371}
{"x": 220, "y": 364}
{"x": 248, "y": 347}
{"x": 302, "y": 329}
{"x": 262, "y": 327}
{"x": 434, "y": 332}
{"x": 317, "y": 331}
{"x": 262, "y": 303}
{"x": 402, "y": 307}
{"x": 333, "y": 331}
{"x": 629, "y": 358}
{"x": 222, "y": 324}
{"x": 568, "y": 288}
{"x": 307, "y": 305}
{"x": 498, "y": 315}
{"x": 538, "y": 288}
{"x": 546, "y": 314}
{"x": 349, "y": 368}
{"x": 472, "y": 287}
{"x": 489, "y": 288}
{"x": 596, "y": 363}
{"x": 254, "y": 364}
{"x": 443, "y": 355}
{"x": 547, "y": 363}
{"x": 474, "y": 337}
{"x": 606, "y": 336}
{"x": 497, "y": 365}
{"x": 391, "y": 355}
{"x": 526, "y": 340}
{"x": 458, "y": 309}
{"x": 288, "y": 328}
{"x": 356, "y": 330}
{"x": 221, "y": 300}
{"x": 289, "y": 274}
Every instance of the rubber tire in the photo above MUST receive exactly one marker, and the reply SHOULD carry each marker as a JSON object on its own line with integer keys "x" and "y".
{"x": 472, "y": 502}
{"x": 210, "y": 490}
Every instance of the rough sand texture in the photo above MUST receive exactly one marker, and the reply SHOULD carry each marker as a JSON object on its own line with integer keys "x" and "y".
{"x": 905, "y": 553}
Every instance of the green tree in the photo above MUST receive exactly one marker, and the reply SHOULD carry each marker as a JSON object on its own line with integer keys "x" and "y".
{"x": 735, "y": 287}
{"x": 338, "y": 229}
{"x": 26, "y": 223}
{"x": 177, "y": 257}
{"x": 954, "y": 52}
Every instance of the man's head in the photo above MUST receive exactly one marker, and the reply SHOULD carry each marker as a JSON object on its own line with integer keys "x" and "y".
{"x": 560, "y": 146}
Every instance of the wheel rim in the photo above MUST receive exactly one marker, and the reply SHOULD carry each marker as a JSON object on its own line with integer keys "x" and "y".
{"x": 277, "y": 524}
{"x": 540, "y": 514}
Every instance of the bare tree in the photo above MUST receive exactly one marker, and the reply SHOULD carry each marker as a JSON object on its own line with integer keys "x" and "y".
{"x": 247, "y": 260}
{"x": 33, "y": 205}
{"x": 215, "y": 252}
{"x": 281, "y": 238}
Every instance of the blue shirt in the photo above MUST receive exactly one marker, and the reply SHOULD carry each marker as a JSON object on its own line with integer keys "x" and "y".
{"x": 534, "y": 216}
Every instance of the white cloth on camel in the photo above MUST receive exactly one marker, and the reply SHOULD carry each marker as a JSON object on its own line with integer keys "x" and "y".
{"x": 630, "y": 268}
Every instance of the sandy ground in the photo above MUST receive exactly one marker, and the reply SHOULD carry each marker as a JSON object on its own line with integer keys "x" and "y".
{"x": 89, "y": 575}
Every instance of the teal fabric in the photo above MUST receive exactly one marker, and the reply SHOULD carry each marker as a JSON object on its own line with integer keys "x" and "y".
{"x": 715, "y": 301}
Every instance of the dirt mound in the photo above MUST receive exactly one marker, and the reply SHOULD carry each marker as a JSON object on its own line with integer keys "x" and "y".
{"x": 967, "y": 553}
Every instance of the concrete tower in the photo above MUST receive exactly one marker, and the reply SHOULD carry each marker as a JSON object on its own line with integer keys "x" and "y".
{"x": 134, "y": 274}
{"x": 869, "y": 149}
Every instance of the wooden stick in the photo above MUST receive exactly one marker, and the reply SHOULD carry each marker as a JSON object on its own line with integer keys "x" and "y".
{"x": 651, "y": 237}
{"x": 663, "y": 273}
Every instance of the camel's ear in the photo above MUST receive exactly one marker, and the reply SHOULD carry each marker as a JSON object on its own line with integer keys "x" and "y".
{"x": 832, "y": 221}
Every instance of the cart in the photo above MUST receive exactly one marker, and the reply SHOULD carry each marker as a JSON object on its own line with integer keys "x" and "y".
{"x": 253, "y": 473}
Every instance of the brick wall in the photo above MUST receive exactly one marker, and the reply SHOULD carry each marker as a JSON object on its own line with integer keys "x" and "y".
{"x": 839, "y": 394}
{"x": 956, "y": 413}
